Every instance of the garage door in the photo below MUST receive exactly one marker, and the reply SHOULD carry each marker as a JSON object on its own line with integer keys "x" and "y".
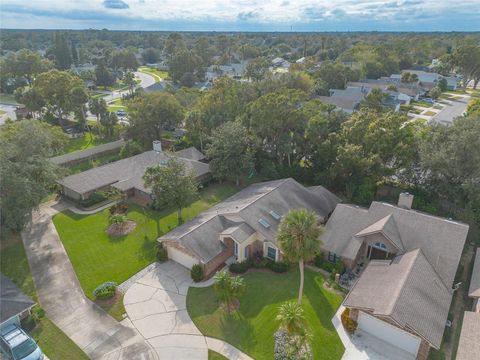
{"x": 388, "y": 333}
{"x": 181, "y": 258}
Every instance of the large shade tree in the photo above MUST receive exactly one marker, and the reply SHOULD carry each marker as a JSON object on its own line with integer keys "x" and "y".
{"x": 299, "y": 239}
{"x": 172, "y": 185}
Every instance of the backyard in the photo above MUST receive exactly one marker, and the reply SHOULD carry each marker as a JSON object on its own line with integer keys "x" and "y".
{"x": 14, "y": 264}
{"x": 87, "y": 141}
{"x": 98, "y": 257}
{"x": 252, "y": 327}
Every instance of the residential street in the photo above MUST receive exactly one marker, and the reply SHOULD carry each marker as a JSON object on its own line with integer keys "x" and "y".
{"x": 451, "y": 111}
{"x": 96, "y": 333}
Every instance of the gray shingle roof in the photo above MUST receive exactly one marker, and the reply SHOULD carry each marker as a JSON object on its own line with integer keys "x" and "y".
{"x": 469, "y": 344}
{"x": 240, "y": 232}
{"x": 190, "y": 153}
{"x": 248, "y": 206}
{"x": 406, "y": 289}
{"x": 441, "y": 240}
{"x": 474, "y": 290}
{"x": 87, "y": 153}
{"x": 12, "y": 300}
{"x": 126, "y": 173}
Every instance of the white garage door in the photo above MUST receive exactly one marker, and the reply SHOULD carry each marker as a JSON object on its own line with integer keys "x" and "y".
{"x": 388, "y": 333}
{"x": 181, "y": 258}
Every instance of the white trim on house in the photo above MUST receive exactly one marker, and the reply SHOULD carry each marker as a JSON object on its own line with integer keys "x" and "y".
{"x": 268, "y": 244}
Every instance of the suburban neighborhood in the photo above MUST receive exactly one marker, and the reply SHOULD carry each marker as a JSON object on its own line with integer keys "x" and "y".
{"x": 268, "y": 181}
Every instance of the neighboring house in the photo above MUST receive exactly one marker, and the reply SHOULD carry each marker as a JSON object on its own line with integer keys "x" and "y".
{"x": 158, "y": 86}
{"x": 126, "y": 175}
{"x": 245, "y": 225}
{"x": 469, "y": 343}
{"x": 301, "y": 61}
{"x": 407, "y": 91}
{"x": 404, "y": 293}
{"x": 90, "y": 153}
{"x": 233, "y": 70}
{"x": 14, "y": 304}
{"x": 280, "y": 63}
{"x": 428, "y": 80}
{"x": 348, "y": 99}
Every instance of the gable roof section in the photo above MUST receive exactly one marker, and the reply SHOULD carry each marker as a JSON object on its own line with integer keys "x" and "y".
{"x": 248, "y": 206}
{"x": 474, "y": 290}
{"x": 408, "y": 290}
{"x": 87, "y": 153}
{"x": 240, "y": 232}
{"x": 190, "y": 153}
{"x": 469, "y": 344}
{"x": 385, "y": 226}
{"x": 12, "y": 300}
{"x": 441, "y": 240}
{"x": 126, "y": 173}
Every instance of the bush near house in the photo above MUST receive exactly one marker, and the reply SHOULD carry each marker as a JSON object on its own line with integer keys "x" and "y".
{"x": 349, "y": 324}
{"x": 162, "y": 254}
{"x": 335, "y": 268}
{"x": 106, "y": 290}
{"x": 196, "y": 273}
{"x": 278, "y": 267}
{"x": 242, "y": 267}
{"x": 98, "y": 197}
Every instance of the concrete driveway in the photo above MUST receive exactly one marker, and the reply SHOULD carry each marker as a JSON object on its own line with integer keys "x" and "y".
{"x": 156, "y": 305}
{"x": 452, "y": 110}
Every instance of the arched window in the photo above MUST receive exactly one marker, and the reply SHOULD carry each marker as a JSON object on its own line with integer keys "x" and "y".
{"x": 380, "y": 245}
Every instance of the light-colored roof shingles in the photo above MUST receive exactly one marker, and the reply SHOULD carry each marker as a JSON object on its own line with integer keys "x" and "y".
{"x": 469, "y": 344}
{"x": 474, "y": 290}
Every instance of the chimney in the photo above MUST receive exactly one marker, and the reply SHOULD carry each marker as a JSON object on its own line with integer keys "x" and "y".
{"x": 157, "y": 146}
{"x": 405, "y": 200}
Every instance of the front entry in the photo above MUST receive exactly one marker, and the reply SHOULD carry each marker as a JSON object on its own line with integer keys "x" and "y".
{"x": 377, "y": 254}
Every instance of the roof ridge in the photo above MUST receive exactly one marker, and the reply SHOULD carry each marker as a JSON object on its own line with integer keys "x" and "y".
{"x": 281, "y": 182}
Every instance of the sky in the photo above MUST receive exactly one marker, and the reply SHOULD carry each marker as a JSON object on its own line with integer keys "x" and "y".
{"x": 243, "y": 15}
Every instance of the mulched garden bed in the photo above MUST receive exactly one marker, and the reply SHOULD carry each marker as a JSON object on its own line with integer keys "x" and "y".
{"x": 121, "y": 229}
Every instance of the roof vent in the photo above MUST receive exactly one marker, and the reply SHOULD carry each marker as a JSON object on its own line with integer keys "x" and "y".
{"x": 274, "y": 215}
{"x": 264, "y": 223}
{"x": 405, "y": 200}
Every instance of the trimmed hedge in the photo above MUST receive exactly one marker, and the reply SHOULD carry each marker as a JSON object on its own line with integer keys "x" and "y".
{"x": 242, "y": 267}
{"x": 278, "y": 267}
{"x": 106, "y": 290}
{"x": 326, "y": 265}
{"x": 162, "y": 254}
{"x": 196, "y": 273}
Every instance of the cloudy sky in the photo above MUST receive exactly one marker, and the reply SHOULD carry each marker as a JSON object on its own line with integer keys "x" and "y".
{"x": 244, "y": 15}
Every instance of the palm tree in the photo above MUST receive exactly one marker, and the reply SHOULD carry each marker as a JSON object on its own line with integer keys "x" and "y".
{"x": 299, "y": 239}
{"x": 292, "y": 318}
{"x": 228, "y": 287}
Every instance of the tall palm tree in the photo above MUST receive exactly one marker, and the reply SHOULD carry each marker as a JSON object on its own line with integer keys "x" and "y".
{"x": 228, "y": 287}
{"x": 299, "y": 239}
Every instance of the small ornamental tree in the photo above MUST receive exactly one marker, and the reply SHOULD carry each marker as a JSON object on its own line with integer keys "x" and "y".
{"x": 228, "y": 287}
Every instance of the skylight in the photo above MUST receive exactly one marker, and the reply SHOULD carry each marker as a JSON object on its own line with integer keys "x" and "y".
{"x": 275, "y": 215}
{"x": 264, "y": 223}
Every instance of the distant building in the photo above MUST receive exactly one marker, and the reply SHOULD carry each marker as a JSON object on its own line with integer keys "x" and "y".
{"x": 14, "y": 304}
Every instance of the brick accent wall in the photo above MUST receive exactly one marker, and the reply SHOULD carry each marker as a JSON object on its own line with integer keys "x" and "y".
{"x": 423, "y": 350}
{"x": 210, "y": 267}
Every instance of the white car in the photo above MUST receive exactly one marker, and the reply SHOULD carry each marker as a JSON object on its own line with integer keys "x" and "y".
{"x": 15, "y": 344}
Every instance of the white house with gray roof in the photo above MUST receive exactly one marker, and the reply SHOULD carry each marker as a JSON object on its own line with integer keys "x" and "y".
{"x": 404, "y": 293}
{"x": 245, "y": 225}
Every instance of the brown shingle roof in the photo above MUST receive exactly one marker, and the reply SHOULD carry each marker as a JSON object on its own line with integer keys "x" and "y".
{"x": 469, "y": 344}
{"x": 474, "y": 290}
{"x": 407, "y": 290}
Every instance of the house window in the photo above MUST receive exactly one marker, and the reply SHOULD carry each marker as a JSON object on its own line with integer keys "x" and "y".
{"x": 272, "y": 253}
{"x": 246, "y": 252}
{"x": 235, "y": 248}
{"x": 380, "y": 246}
{"x": 332, "y": 257}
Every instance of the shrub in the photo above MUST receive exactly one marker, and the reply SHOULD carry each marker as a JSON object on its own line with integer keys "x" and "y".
{"x": 162, "y": 254}
{"x": 197, "y": 273}
{"x": 106, "y": 290}
{"x": 119, "y": 208}
{"x": 278, "y": 267}
{"x": 349, "y": 324}
{"x": 98, "y": 197}
{"x": 37, "y": 313}
{"x": 334, "y": 268}
{"x": 240, "y": 267}
{"x": 130, "y": 148}
{"x": 118, "y": 219}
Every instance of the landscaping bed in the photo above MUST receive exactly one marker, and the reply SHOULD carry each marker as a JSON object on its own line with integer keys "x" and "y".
{"x": 251, "y": 328}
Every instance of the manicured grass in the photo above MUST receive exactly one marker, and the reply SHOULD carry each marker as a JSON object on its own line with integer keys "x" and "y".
{"x": 84, "y": 142}
{"x": 14, "y": 264}
{"x": 420, "y": 103}
{"x": 53, "y": 342}
{"x": 213, "y": 355}
{"x": 114, "y": 108}
{"x": 438, "y": 107}
{"x": 157, "y": 74}
{"x": 97, "y": 257}
{"x": 91, "y": 163}
{"x": 430, "y": 113}
{"x": 252, "y": 327}
{"x": 114, "y": 307}
{"x": 8, "y": 99}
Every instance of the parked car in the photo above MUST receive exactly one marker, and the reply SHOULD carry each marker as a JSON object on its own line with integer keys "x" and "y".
{"x": 121, "y": 113}
{"x": 428, "y": 100}
{"x": 15, "y": 344}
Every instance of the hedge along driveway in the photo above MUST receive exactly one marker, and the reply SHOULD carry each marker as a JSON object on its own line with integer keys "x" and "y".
{"x": 98, "y": 257}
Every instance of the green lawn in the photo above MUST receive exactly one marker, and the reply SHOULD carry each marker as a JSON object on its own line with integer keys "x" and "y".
{"x": 97, "y": 257}
{"x": 8, "y": 99}
{"x": 420, "y": 103}
{"x": 14, "y": 264}
{"x": 91, "y": 163}
{"x": 213, "y": 355}
{"x": 84, "y": 142}
{"x": 252, "y": 327}
{"x": 430, "y": 113}
{"x": 157, "y": 74}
